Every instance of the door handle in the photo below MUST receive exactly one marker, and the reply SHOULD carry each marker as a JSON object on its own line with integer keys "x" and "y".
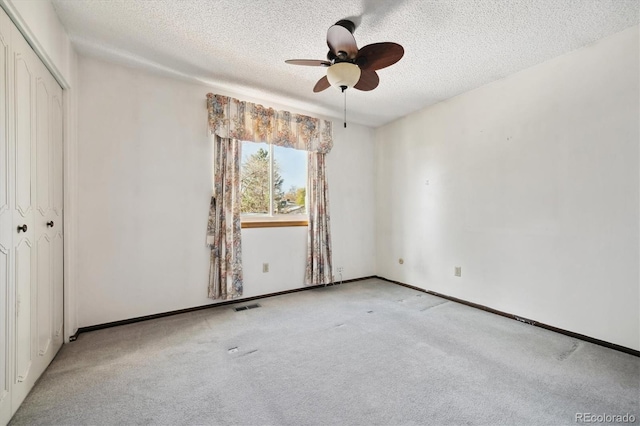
{"x": 50, "y": 224}
{"x": 22, "y": 228}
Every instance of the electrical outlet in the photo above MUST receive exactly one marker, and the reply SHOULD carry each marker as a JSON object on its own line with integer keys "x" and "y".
{"x": 457, "y": 271}
{"x": 265, "y": 267}
{"x": 340, "y": 269}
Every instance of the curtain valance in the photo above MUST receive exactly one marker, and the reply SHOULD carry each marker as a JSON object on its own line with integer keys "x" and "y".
{"x": 246, "y": 121}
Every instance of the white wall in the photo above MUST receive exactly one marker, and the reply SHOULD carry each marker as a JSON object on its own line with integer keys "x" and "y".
{"x": 144, "y": 189}
{"x": 350, "y": 170}
{"x": 533, "y": 190}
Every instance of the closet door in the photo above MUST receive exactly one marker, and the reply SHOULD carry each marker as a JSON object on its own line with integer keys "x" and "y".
{"x": 31, "y": 200}
{"x": 6, "y": 225}
{"x": 48, "y": 216}
{"x": 24, "y": 242}
{"x": 38, "y": 205}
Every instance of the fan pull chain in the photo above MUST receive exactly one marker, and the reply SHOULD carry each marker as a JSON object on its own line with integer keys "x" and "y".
{"x": 344, "y": 90}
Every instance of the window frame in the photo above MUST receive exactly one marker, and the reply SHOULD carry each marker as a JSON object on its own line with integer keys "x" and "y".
{"x": 270, "y": 220}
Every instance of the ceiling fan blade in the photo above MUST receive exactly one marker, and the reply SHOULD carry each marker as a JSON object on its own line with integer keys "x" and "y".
{"x": 379, "y": 55}
{"x": 309, "y": 62}
{"x": 368, "y": 80}
{"x": 340, "y": 39}
{"x": 322, "y": 84}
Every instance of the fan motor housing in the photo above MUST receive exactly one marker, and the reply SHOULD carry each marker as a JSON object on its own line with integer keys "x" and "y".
{"x": 347, "y": 24}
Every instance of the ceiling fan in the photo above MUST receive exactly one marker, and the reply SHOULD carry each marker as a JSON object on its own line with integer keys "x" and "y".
{"x": 348, "y": 66}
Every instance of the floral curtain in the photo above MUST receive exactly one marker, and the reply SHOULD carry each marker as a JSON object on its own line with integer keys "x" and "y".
{"x": 231, "y": 121}
{"x": 319, "y": 269}
{"x": 223, "y": 231}
{"x": 245, "y": 121}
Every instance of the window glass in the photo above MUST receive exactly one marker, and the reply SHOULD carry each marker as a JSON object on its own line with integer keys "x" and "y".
{"x": 290, "y": 180}
{"x": 254, "y": 179}
{"x": 273, "y": 181}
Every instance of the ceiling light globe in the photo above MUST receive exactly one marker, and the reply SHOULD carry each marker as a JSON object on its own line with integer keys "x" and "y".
{"x": 343, "y": 74}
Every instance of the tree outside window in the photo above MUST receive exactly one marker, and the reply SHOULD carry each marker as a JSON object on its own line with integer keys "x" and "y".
{"x": 273, "y": 180}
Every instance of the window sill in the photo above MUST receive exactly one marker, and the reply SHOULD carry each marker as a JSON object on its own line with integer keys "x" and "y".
{"x": 274, "y": 223}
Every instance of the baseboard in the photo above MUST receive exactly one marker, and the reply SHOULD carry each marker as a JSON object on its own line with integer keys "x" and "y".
{"x": 295, "y": 290}
{"x": 199, "y": 308}
{"x": 74, "y": 336}
{"x": 524, "y": 320}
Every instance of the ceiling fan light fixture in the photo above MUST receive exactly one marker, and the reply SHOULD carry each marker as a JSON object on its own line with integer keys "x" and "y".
{"x": 348, "y": 66}
{"x": 343, "y": 74}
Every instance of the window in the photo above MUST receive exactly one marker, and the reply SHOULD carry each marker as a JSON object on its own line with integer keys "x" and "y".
{"x": 273, "y": 185}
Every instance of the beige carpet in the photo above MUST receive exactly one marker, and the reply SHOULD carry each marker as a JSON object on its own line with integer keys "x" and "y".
{"x": 367, "y": 352}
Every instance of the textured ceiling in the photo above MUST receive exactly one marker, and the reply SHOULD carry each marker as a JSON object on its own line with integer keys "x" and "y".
{"x": 451, "y": 46}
